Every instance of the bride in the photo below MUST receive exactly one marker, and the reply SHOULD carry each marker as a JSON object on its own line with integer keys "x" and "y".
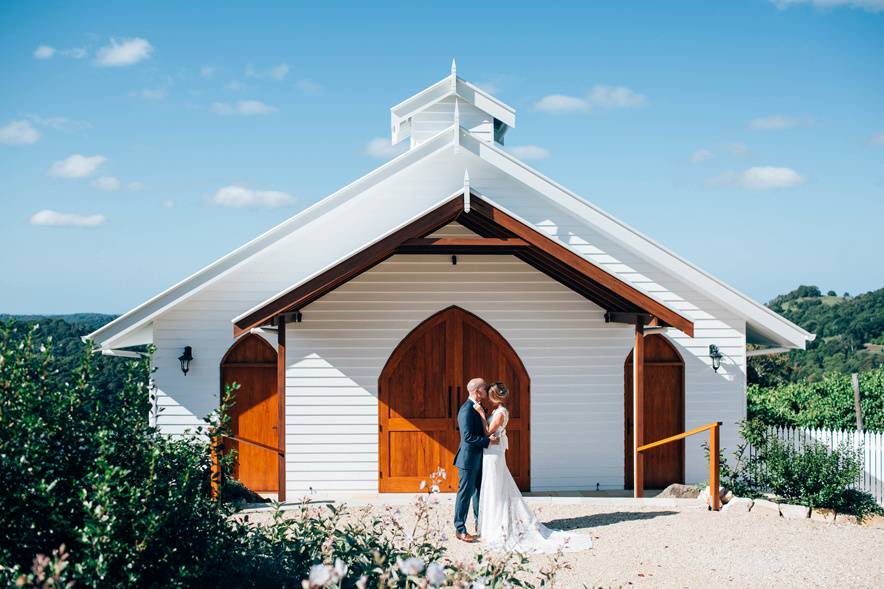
{"x": 506, "y": 523}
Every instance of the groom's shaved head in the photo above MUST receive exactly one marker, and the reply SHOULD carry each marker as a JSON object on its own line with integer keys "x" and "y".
{"x": 475, "y": 384}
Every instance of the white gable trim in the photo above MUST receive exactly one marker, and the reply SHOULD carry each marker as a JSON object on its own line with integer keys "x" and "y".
{"x": 754, "y": 312}
{"x": 111, "y": 334}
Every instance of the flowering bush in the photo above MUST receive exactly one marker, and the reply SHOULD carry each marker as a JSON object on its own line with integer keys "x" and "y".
{"x": 116, "y": 504}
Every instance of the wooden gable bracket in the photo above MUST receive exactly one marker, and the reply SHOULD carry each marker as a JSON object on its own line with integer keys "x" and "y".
{"x": 500, "y": 234}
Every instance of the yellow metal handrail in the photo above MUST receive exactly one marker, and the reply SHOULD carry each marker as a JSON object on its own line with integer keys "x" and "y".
{"x": 714, "y": 442}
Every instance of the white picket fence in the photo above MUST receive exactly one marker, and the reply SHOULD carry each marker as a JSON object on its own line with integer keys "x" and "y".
{"x": 871, "y": 443}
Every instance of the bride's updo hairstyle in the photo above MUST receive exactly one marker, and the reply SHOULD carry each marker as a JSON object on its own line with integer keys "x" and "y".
{"x": 498, "y": 393}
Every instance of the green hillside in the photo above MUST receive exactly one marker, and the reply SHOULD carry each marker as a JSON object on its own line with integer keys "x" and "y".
{"x": 849, "y": 336}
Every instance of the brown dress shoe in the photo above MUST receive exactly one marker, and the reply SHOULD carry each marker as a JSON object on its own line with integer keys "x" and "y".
{"x": 465, "y": 537}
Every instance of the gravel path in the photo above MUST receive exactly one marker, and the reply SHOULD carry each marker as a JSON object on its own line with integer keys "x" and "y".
{"x": 685, "y": 546}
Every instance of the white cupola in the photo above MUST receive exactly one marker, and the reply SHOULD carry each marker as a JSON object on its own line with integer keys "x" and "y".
{"x": 451, "y": 101}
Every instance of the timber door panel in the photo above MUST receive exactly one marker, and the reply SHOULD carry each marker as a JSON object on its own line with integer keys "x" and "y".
{"x": 422, "y": 387}
{"x": 251, "y": 363}
{"x": 664, "y": 413}
{"x": 488, "y": 355}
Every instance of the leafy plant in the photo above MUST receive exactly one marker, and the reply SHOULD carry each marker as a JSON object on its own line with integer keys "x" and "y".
{"x": 812, "y": 475}
{"x": 117, "y": 504}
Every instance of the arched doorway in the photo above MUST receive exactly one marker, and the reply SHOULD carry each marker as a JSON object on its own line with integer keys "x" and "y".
{"x": 663, "y": 411}
{"x": 421, "y": 388}
{"x": 254, "y": 417}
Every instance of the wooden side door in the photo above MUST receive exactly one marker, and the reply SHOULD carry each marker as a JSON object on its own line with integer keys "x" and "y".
{"x": 251, "y": 363}
{"x": 663, "y": 410}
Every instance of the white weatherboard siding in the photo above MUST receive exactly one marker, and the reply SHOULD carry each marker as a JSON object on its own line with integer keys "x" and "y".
{"x": 336, "y": 355}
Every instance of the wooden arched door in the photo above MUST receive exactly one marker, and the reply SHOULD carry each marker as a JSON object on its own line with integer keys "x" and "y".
{"x": 423, "y": 385}
{"x": 663, "y": 413}
{"x": 254, "y": 417}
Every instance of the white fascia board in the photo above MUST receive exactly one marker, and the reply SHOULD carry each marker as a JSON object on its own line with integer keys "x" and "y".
{"x": 788, "y": 333}
{"x": 160, "y": 303}
{"x": 350, "y": 254}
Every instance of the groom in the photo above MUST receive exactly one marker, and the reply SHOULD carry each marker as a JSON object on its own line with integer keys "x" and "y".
{"x": 468, "y": 459}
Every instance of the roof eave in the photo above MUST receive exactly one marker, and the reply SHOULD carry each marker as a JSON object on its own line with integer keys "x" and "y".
{"x": 161, "y": 302}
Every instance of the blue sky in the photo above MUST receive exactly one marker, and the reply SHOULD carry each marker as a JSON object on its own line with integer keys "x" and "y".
{"x": 747, "y": 136}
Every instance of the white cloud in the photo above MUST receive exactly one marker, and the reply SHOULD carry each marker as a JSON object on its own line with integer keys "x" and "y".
{"x": 44, "y": 52}
{"x": 19, "y": 132}
{"x": 310, "y": 87}
{"x": 149, "y": 93}
{"x": 529, "y": 152}
{"x": 76, "y": 166}
{"x": 207, "y": 72}
{"x": 601, "y": 96}
{"x": 168, "y": 204}
{"x": 243, "y": 107}
{"x": 239, "y": 197}
{"x": 235, "y": 86}
{"x": 60, "y": 123}
{"x": 47, "y": 52}
{"x": 701, "y": 155}
{"x": 56, "y": 219}
{"x": 867, "y": 5}
{"x": 777, "y": 122}
{"x": 107, "y": 183}
{"x": 561, "y": 103}
{"x": 126, "y": 52}
{"x": 277, "y": 72}
{"x": 736, "y": 149}
{"x": 616, "y": 97}
{"x": 74, "y": 52}
{"x": 381, "y": 148}
{"x": 134, "y": 186}
{"x": 760, "y": 178}
{"x": 877, "y": 139}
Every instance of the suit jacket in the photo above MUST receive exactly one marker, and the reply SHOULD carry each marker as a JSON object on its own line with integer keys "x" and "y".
{"x": 472, "y": 438}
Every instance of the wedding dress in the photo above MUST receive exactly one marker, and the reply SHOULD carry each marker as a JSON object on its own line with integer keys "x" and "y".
{"x": 506, "y": 523}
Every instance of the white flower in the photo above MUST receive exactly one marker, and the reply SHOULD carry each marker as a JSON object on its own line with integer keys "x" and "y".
{"x": 478, "y": 583}
{"x": 436, "y": 574}
{"x": 340, "y": 569}
{"x": 434, "y": 489}
{"x": 320, "y": 575}
{"x": 423, "y": 485}
{"x": 411, "y": 566}
{"x": 362, "y": 583}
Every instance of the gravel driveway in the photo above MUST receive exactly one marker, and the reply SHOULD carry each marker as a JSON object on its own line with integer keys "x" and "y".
{"x": 681, "y": 545}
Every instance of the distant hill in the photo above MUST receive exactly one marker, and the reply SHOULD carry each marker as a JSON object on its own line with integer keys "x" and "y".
{"x": 849, "y": 336}
{"x": 65, "y": 332}
{"x": 849, "y": 330}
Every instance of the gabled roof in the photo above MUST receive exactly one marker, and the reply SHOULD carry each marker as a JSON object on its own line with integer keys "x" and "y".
{"x": 451, "y": 85}
{"x": 621, "y": 300}
{"x": 434, "y": 169}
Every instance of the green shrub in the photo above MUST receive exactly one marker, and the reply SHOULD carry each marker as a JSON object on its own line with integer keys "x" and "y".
{"x": 827, "y": 403}
{"x": 811, "y": 475}
{"x": 116, "y": 504}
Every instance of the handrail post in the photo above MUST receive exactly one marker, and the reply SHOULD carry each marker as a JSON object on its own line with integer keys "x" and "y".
{"x": 638, "y": 410}
{"x": 215, "y": 469}
{"x": 714, "y": 469}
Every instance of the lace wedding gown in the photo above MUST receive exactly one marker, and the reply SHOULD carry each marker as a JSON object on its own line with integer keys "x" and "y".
{"x": 506, "y": 523}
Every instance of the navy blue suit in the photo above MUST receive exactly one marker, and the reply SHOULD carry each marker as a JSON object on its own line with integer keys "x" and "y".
{"x": 468, "y": 461}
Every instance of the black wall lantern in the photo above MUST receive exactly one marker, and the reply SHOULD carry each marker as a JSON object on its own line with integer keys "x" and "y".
{"x": 716, "y": 356}
{"x": 185, "y": 359}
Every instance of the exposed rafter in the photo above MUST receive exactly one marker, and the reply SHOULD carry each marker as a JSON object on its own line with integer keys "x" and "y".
{"x": 500, "y": 233}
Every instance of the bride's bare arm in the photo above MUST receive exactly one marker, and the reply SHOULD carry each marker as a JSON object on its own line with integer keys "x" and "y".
{"x": 490, "y": 428}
